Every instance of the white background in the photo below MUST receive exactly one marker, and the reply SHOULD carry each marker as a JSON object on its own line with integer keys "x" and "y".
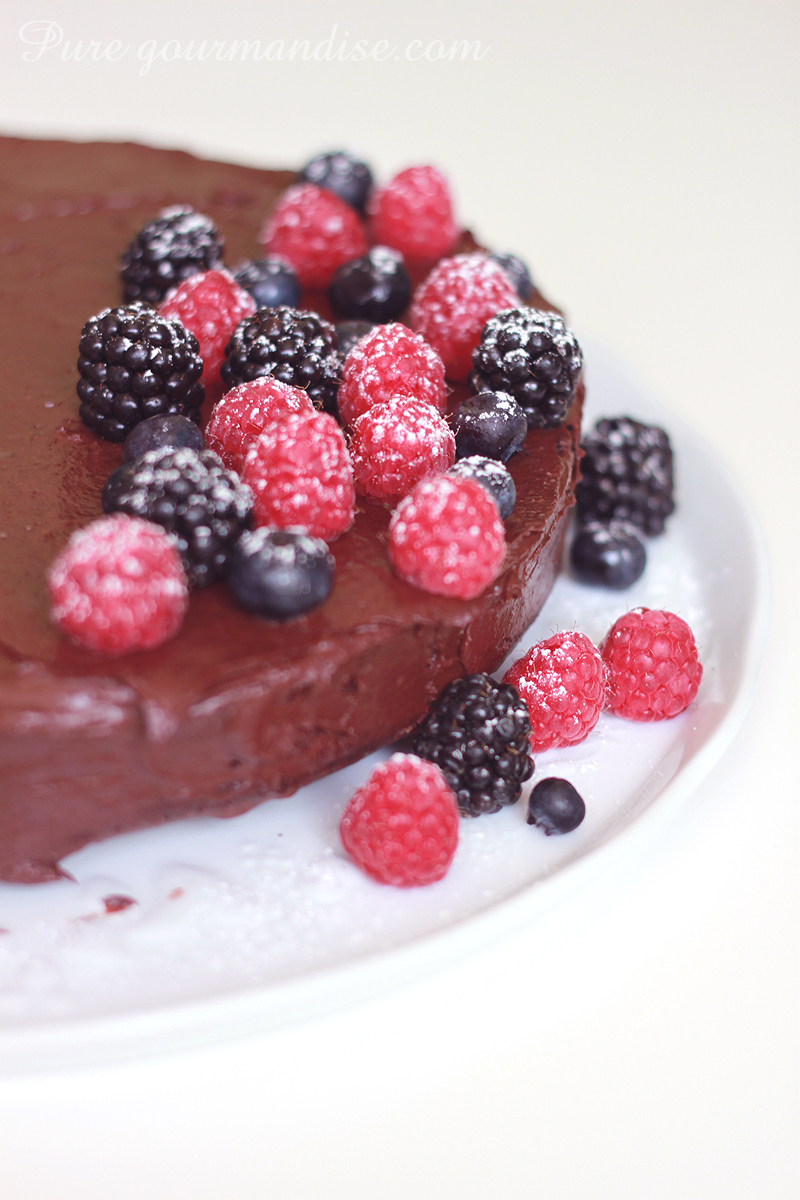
{"x": 641, "y": 1040}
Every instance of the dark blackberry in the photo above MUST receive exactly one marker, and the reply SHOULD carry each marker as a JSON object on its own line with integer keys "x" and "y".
{"x": 156, "y": 433}
{"x": 177, "y": 244}
{"x": 492, "y": 476}
{"x": 555, "y": 806}
{"x": 491, "y": 424}
{"x": 136, "y": 364}
{"x": 519, "y": 273}
{"x": 270, "y": 281}
{"x": 342, "y": 173}
{"x": 627, "y": 475}
{"x": 349, "y": 332}
{"x": 532, "y": 355}
{"x": 191, "y": 495}
{"x": 281, "y": 573}
{"x": 609, "y": 555}
{"x": 375, "y": 287}
{"x": 478, "y": 732}
{"x": 294, "y": 347}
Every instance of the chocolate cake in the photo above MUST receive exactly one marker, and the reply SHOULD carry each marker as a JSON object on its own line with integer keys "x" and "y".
{"x": 235, "y": 709}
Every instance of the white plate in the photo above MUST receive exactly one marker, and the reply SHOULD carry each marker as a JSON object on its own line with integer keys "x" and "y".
{"x": 244, "y": 924}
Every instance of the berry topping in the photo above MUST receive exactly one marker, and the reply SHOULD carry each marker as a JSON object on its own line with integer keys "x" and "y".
{"x": 350, "y": 332}
{"x": 390, "y": 361}
{"x": 281, "y": 573}
{"x": 491, "y": 424}
{"x": 397, "y": 443}
{"x": 454, "y": 303}
{"x": 156, "y": 433}
{"x": 493, "y": 477}
{"x": 191, "y": 495}
{"x": 270, "y": 281}
{"x": 478, "y": 732}
{"x": 118, "y": 585}
{"x": 610, "y": 555}
{"x": 294, "y": 347}
{"x": 135, "y": 364}
{"x": 243, "y": 414}
{"x": 555, "y": 806}
{"x": 563, "y": 682}
{"x": 177, "y": 244}
{"x": 314, "y": 231}
{"x": 518, "y": 273}
{"x": 653, "y": 667}
{"x": 300, "y": 474}
{"x": 414, "y": 214}
{"x": 210, "y": 306}
{"x": 446, "y": 537}
{"x": 374, "y": 288}
{"x": 342, "y": 173}
{"x": 626, "y": 474}
{"x": 532, "y": 355}
{"x": 401, "y": 827}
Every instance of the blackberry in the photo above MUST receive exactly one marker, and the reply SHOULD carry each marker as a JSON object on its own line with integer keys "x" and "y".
{"x": 375, "y": 287}
{"x": 478, "y": 732}
{"x": 191, "y": 495}
{"x": 491, "y": 424}
{"x": 349, "y": 332}
{"x": 609, "y": 555}
{"x": 292, "y": 346}
{"x": 178, "y": 243}
{"x": 627, "y": 475}
{"x": 281, "y": 573}
{"x": 136, "y": 364}
{"x": 493, "y": 477}
{"x": 156, "y": 433}
{"x": 518, "y": 272}
{"x": 270, "y": 281}
{"x": 342, "y": 173}
{"x": 532, "y": 355}
{"x": 555, "y": 806}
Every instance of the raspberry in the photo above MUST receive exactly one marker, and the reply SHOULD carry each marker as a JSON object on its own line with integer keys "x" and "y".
{"x": 244, "y": 413}
{"x": 563, "y": 682}
{"x": 210, "y": 306}
{"x": 176, "y": 245}
{"x": 414, "y": 214}
{"x": 401, "y": 827}
{"x": 315, "y": 232}
{"x": 300, "y": 474}
{"x": 396, "y": 444}
{"x": 118, "y": 585}
{"x": 653, "y": 668}
{"x": 390, "y": 361}
{"x": 292, "y": 345}
{"x": 446, "y": 537}
{"x": 454, "y": 303}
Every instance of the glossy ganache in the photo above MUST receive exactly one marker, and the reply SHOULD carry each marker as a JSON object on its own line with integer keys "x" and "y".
{"x": 235, "y": 709}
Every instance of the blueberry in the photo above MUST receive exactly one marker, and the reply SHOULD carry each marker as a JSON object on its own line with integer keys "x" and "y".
{"x": 270, "y": 281}
{"x": 349, "y": 332}
{"x": 491, "y": 424}
{"x": 555, "y": 806}
{"x": 171, "y": 430}
{"x": 375, "y": 287}
{"x": 611, "y": 555}
{"x": 492, "y": 476}
{"x": 342, "y": 173}
{"x": 281, "y": 573}
{"x": 519, "y": 273}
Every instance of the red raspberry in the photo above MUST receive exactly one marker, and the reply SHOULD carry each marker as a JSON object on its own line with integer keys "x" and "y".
{"x": 118, "y": 585}
{"x": 563, "y": 682}
{"x": 446, "y": 537}
{"x": 390, "y": 361}
{"x": 300, "y": 475}
{"x": 653, "y": 668}
{"x": 414, "y": 214}
{"x": 315, "y": 232}
{"x": 396, "y": 444}
{"x": 245, "y": 411}
{"x": 454, "y": 303}
{"x": 210, "y": 305}
{"x": 401, "y": 827}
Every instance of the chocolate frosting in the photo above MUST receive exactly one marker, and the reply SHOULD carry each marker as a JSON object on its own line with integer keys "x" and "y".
{"x": 235, "y": 709}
